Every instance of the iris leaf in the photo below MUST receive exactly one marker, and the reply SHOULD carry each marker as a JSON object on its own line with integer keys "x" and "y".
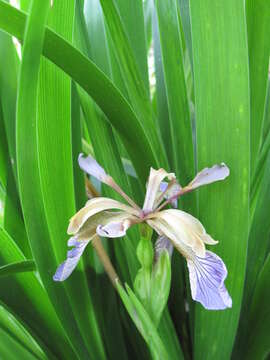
{"x": 221, "y": 80}
{"x": 94, "y": 82}
{"x": 34, "y": 308}
{"x": 258, "y": 26}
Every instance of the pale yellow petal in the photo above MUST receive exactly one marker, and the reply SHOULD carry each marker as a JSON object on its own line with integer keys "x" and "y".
{"x": 93, "y": 207}
{"x": 182, "y": 229}
{"x": 153, "y": 187}
{"x": 207, "y": 239}
{"x": 99, "y": 222}
{"x": 193, "y": 223}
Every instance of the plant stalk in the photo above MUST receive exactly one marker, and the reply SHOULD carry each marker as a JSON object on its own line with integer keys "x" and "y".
{"x": 105, "y": 260}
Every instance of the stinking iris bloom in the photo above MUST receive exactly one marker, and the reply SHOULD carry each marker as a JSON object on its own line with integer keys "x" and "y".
{"x": 207, "y": 271}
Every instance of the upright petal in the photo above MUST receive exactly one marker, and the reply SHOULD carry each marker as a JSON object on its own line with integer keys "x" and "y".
{"x": 209, "y": 175}
{"x": 93, "y": 207}
{"x": 207, "y": 276}
{"x": 73, "y": 256}
{"x": 153, "y": 187}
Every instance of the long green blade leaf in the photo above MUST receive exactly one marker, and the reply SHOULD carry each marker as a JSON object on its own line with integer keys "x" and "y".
{"x": 94, "y": 82}
{"x": 257, "y": 344}
{"x": 178, "y": 103}
{"x": 132, "y": 17}
{"x": 138, "y": 95}
{"x": 55, "y": 157}
{"x": 18, "y": 332}
{"x": 34, "y": 307}
{"x": 258, "y": 26}
{"x": 20, "y": 266}
{"x": 220, "y": 57}
{"x": 28, "y": 171}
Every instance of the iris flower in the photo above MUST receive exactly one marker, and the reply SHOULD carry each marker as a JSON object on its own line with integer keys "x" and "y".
{"x": 110, "y": 218}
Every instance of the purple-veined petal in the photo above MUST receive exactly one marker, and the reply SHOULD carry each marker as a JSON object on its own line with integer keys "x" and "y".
{"x": 116, "y": 227}
{"x": 209, "y": 175}
{"x": 162, "y": 243}
{"x": 73, "y": 256}
{"x": 207, "y": 276}
{"x": 153, "y": 187}
{"x": 92, "y": 167}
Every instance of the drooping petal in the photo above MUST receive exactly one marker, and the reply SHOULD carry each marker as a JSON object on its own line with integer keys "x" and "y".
{"x": 116, "y": 227}
{"x": 209, "y": 175}
{"x": 174, "y": 189}
{"x": 93, "y": 207}
{"x": 153, "y": 186}
{"x": 194, "y": 224}
{"x": 185, "y": 232}
{"x": 73, "y": 256}
{"x": 207, "y": 276}
{"x": 163, "y": 243}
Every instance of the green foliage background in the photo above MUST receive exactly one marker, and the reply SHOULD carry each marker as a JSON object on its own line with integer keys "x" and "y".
{"x": 82, "y": 84}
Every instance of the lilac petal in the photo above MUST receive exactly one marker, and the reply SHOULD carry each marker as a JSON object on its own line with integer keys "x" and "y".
{"x": 171, "y": 192}
{"x": 163, "y": 243}
{"x": 163, "y": 186}
{"x": 209, "y": 175}
{"x": 72, "y": 241}
{"x": 114, "y": 229}
{"x": 92, "y": 167}
{"x": 73, "y": 256}
{"x": 207, "y": 277}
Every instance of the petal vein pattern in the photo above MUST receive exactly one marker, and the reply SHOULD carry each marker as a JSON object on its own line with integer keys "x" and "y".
{"x": 207, "y": 276}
